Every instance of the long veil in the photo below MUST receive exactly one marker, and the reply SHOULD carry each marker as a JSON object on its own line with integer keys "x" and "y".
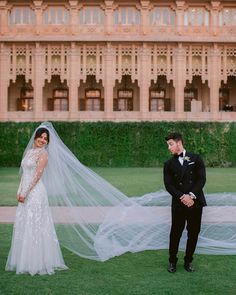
{"x": 95, "y": 220}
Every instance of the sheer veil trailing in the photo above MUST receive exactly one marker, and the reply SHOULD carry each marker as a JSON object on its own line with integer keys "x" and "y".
{"x": 95, "y": 220}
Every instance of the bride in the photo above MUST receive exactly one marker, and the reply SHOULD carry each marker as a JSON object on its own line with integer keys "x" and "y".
{"x": 92, "y": 218}
{"x": 35, "y": 247}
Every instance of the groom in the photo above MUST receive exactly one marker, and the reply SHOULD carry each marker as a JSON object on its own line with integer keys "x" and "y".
{"x": 184, "y": 178}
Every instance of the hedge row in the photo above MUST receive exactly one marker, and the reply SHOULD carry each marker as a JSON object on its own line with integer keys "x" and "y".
{"x": 126, "y": 144}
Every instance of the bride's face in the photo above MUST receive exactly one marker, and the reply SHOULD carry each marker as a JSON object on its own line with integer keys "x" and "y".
{"x": 41, "y": 141}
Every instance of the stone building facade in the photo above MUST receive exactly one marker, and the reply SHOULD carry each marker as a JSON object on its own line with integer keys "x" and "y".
{"x": 117, "y": 60}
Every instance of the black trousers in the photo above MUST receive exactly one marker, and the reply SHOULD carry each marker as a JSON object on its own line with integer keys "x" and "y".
{"x": 180, "y": 217}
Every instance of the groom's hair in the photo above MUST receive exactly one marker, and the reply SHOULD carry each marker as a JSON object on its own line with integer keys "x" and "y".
{"x": 175, "y": 136}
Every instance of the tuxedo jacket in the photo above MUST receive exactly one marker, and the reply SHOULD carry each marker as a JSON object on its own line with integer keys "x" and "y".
{"x": 182, "y": 179}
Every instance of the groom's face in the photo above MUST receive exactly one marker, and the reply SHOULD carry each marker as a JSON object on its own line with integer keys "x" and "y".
{"x": 175, "y": 146}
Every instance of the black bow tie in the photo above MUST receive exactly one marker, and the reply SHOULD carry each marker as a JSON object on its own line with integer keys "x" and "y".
{"x": 181, "y": 155}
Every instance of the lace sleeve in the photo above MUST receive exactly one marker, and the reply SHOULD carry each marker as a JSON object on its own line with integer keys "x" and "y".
{"x": 19, "y": 188}
{"x": 41, "y": 164}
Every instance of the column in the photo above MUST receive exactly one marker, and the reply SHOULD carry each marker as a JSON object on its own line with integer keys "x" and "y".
{"x": 109, "y": 19}
{"x": 39, "y": 15}
{"x": 179, "y": 79}
{"x": 214, "y": 81}
{"x": 4, "y": 82}
{"x": 180, "y": 16}
{"x": 109, "y": 57}
{"x": 73, "y": 15}
{"x": 38, "y": 82}
{"x": 144, "y": 15}
{"x": 144, "y": 82}
{"x": 214, "y": 16}
{"x": 73, "y": 85}
{"x": 3, "y": 17}
{"x": 38, "y": 69}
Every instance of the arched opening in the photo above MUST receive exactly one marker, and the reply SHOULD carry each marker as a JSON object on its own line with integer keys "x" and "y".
{"x": 91, "y": 95}
{"x": 161, "y": 95}
{"x": 56, "y": 95}
{"x": 196, "y": 96}
{"x": 126, "y": 95}
{"x": 20, "y": 95}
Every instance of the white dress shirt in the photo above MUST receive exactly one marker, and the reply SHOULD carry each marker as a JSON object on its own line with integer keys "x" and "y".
{"x": 181, "y": 159}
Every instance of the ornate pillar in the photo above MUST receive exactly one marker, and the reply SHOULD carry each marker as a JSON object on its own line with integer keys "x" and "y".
{"x": 214, "y": 83}
{"x": 179, "y": 79}
{"x": 145, "y": 66}
{"x": 3, "y": 17}
{"x": 109, "y": 20}
{"x": 144, "y": 15}
{"x": 109, "y": 56}
{"x": 38, "y": 82}
{"x": 73, "y": 86}
{"x": 180, "y": 16}
{"x": 215, "y": 16}
{"x": 4, "y": 82}
{"x": 73, "y": 15}
{"x": 39, "y": 15}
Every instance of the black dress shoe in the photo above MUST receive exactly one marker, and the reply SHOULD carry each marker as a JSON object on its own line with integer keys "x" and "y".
{"x": 188, "y": 267}
{"x": 172, "y": 267}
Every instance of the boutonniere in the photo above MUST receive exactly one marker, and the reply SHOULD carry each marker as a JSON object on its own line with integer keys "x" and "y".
{"x": 186, "y": 158}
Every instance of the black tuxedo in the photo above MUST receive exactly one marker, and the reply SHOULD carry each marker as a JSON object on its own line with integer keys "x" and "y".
{"x": 179, "y": 180}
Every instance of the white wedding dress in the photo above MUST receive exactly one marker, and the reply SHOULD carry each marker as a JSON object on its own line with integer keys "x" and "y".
{"x": 35, "y": 248}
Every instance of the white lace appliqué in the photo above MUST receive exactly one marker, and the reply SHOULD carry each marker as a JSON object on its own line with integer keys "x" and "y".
{"x": 35, "y": 248}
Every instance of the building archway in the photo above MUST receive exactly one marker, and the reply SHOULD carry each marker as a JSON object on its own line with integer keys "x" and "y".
{"x": 126, "y": 95}
{"x": 91, "y": 94}
{"x": 55, "y": 95}
{"x": 196, "y": 96}
{"x": 20, "y": 95}
{"x": 227, "y": 95}
{"x": 161, "y": 95}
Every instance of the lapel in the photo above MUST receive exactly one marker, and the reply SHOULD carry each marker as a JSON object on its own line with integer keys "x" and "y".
{"x": 181, "y": 168}
{"x": 177, "y": 164}
{"x": 185, "y": 165}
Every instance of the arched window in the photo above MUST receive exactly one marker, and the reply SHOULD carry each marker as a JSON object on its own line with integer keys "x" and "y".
{"x": 21, "y": 15}
{"x": 127, "y": 16}
{"x": 56, "y": 15}
{"x": 196, "y": 16}
{"x": 227, "y": 17}
{"x": 91, "y": 15}
{"x": 162, "y": 16}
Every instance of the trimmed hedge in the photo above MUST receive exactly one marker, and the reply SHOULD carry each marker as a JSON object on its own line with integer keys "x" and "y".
{"x": 136, "y": 144}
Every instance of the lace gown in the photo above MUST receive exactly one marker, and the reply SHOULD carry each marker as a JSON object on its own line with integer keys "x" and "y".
{"x": 35, "y": 248}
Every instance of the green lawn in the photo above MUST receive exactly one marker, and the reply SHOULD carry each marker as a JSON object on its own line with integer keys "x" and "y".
{"x": 131, "y": 181}
{"x": 130, "y": 274}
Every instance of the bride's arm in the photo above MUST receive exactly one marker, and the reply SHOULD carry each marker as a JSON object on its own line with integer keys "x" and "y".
{"x": 41, "y": 164}
{"x": 19, "y": 190}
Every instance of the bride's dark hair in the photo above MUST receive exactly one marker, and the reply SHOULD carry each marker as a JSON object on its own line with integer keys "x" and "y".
{"x": 40, "y": 131}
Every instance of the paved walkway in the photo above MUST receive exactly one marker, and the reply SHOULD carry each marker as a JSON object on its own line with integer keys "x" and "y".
{"x": 211, "y": 214}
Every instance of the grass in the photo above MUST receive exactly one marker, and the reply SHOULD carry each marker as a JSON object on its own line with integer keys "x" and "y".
{"x": 131, "y": 181}
{"x": 130, "y": 274}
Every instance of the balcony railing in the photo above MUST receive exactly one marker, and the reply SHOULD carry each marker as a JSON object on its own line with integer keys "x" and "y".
{"x": 102, "y": 31}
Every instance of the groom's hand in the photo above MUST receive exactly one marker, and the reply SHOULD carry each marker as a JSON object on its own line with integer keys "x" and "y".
{"x": 187, "y": 200}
